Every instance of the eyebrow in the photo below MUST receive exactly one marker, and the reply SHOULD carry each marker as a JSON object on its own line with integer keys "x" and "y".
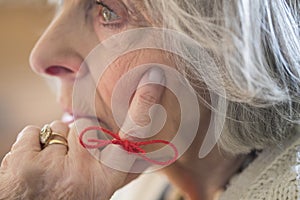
{"x": 103, "y": 5}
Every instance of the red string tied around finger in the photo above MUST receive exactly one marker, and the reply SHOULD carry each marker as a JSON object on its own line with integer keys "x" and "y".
{"x": 129, "y": 146}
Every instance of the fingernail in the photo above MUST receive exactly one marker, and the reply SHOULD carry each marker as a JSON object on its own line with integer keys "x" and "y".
{"x": 154, "y": 75}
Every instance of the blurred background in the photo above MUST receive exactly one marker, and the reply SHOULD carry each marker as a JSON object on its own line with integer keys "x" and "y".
{"x": 25, "y": 98}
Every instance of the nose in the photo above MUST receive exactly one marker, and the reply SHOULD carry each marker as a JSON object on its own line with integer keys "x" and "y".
{"x": 53, "y": 57}
{"x": 59, "y": 52}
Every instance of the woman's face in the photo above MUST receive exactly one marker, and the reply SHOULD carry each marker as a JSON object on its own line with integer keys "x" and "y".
{"x": 78, "y": 28}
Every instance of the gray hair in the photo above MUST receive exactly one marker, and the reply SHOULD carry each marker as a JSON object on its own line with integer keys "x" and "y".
{"x": 256, "y": 45}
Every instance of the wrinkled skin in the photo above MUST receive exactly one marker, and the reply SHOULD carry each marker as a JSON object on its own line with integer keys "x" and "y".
{"x": 29, "y": 172}
{"x": 58, "y": 172}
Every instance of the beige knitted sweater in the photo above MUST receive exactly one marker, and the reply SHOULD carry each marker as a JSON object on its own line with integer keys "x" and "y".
{"x": 273, "y": 175}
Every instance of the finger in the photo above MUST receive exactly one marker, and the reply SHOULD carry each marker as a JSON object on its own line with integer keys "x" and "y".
{"x": 85, "y": 157}
{"x": 148, "y": 94}
{"x": 28, "y": 140}
{"x": 116, "y": 158}
{"x": 60, "y": 132}
{"x": 74, "y": 144}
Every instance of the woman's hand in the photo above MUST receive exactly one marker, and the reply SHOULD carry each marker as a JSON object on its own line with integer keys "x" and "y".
{"x": 58, "y": 172}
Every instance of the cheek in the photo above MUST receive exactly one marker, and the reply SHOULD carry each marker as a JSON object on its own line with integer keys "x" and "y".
{"x": 123, "y": 65}
{"x": 111, "y": 76}
{"x": 128, "y": 68}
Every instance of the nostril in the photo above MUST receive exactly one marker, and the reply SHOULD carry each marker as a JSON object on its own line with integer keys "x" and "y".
{"x": 58, "y": 71}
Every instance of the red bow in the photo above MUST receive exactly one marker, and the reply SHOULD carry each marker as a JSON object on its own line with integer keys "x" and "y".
{"x": 129, "y": 146}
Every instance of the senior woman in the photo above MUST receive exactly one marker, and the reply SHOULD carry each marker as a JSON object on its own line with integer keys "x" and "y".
{"x": 243, "y": 55}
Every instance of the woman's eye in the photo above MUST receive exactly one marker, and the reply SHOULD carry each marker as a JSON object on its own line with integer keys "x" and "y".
{"x": 109, "y": 15}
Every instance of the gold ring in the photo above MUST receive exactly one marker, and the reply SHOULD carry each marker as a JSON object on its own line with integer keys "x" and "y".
{"x": 59, "y": 135}
{"x": 47, "y": 136}
{"x": 55, "y": 141}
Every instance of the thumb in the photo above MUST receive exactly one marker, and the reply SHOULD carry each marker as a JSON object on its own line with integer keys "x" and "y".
{"x": 138, "y": 122}
{"x": 148, "y": 94}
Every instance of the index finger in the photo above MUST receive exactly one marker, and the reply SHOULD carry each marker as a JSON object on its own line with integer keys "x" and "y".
{"x": 149, "y": 93}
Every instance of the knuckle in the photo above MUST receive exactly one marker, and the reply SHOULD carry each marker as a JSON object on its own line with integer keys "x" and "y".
{"x": 5, "y": 160}
{"x": 144, "y": 100}
{"x": 30, "y": 128}
{"x": 27, "y": 130}
{"x": 147, "y": 99}
{"x": 141, "y": 120}
{"x": 15, "y": 146}
{"x": 58, "y": 123}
